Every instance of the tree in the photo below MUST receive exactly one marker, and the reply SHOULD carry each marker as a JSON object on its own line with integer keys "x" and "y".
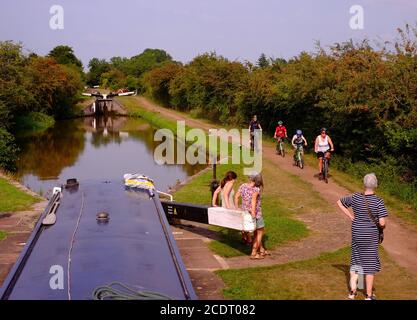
{"x": 96, "y": 68}
{"x": 263, "y": 61}
{"x": 113, "y": 79}
{"x": 157, "y": 81}
{"x": 147, "y": 60}
{"x": 14, "y": 93}
{"x": 65, "y": 55}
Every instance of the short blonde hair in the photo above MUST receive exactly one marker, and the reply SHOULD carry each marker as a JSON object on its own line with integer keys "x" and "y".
{"x": 370, "y": 181}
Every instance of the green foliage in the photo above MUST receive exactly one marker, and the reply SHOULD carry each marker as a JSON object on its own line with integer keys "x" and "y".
{"x": 394, "y": 177}
{"x": 65, "y": 55}
{"x": 34, "y": 122}
{"x": 147, "y": 60}
{"x": 209, "y": 82}
{"x": 157, "y": 81}
{"x": 15, "y": 96}
{"x": 96, "y": 68}
{"x": 33, "y": 84}
{"x": 113, "y": 79}
{"x": 125, "y": 72}
{"x": 8, "y": 150}
{"x": 263, "y": 61}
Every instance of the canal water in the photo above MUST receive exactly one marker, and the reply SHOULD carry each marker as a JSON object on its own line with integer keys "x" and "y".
{"x": 94, "y": 149}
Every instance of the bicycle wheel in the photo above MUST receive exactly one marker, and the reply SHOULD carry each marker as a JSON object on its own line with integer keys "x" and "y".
{"x": 325, "y": 171}
{"x": 282, "y": 149}
{"x": 301, "y": 163}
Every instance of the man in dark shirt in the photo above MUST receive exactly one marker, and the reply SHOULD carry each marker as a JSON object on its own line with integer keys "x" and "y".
{"x": 253, "y": 125}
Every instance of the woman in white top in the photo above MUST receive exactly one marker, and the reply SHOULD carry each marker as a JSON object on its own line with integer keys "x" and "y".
{"x": 227, "y": 199}
{"x": 226, "y": 191}
{"x": 322, "y": 146}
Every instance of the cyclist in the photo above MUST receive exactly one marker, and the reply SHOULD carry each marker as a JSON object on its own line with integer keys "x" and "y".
{"x": 280, "y": 132}
{"x": 298, "y": 140}
{"x": 253, "y": 125}
{"x": 322, "y": 146}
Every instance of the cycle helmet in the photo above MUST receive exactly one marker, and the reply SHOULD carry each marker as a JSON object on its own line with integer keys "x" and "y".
{"x": 299, "y": 133}
{"x": 280, "y": 123}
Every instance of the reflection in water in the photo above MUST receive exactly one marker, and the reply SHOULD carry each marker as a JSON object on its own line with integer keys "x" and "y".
{"x": 102, "y": 148}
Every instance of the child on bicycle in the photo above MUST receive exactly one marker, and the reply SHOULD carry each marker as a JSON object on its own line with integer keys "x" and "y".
{"x": 323, "y": 146}
{"x": 280, "y": 132}
{"x": 298, "y": 140}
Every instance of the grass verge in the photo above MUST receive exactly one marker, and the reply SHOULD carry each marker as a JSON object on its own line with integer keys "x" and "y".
{"x": 320, "y": 278}
{"x": 13, "y": 199}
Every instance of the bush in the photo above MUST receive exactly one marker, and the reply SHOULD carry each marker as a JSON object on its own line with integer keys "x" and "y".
{"x": 34, "y": 121}
{"x": 8, "y": 151}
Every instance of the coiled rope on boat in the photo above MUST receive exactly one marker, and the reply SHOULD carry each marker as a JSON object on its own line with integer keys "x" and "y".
{"x": 124, "y": 292}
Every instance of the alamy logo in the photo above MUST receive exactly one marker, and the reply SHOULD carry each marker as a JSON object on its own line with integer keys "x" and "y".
{"x": 57, "y": 279}
{"x": 357, "y": 20}
{"x": 57, "y": 20}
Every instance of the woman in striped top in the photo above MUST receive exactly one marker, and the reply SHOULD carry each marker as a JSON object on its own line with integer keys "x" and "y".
{"x": 365, "y": 233}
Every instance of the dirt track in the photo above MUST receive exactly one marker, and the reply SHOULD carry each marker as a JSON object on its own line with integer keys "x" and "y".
{"x": 329, "y": 231}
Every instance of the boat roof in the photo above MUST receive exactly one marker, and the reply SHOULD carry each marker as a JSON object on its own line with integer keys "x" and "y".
{"x": 134, "y": 247}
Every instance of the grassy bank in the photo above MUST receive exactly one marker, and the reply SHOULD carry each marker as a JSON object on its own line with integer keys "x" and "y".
{"x": 34, "y": 122}
{"x": 13, "y": 199}
{"x": 136, "y": 110}
{"x": 323, "y": 277}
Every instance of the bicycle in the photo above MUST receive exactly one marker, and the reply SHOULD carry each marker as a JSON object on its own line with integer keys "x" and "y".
{"x": 280, "y": 146}
{"x": 258, "y": 133}
{"x": 298, "y": 156}
{"x": 325, "y": 167}
{"x": 252, "y": 141}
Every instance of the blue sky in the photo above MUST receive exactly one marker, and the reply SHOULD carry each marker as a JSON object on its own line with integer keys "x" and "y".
{"x": 236, "y": 29}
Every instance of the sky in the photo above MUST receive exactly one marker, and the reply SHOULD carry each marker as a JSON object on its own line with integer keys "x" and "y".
{"x": 237, "y": 29}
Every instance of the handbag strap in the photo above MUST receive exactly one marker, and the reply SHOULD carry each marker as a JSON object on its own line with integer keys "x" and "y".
{"x": 371, "y": 216}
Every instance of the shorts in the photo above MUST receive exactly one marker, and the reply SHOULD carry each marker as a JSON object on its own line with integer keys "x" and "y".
{"x": 260, "y": 223}
{"x": 320, "y": 154}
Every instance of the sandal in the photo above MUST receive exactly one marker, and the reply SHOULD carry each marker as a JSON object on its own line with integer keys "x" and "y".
{"x": 264, "y": 253}
{"x": 256, "y": 256}
{"x": 352, "y": 295}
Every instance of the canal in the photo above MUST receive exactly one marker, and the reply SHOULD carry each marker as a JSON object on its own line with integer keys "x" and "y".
{"x": 94, "y": 149}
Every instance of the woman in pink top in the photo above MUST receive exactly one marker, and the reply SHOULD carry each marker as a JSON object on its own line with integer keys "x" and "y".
{"x": 251, "y": 202}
